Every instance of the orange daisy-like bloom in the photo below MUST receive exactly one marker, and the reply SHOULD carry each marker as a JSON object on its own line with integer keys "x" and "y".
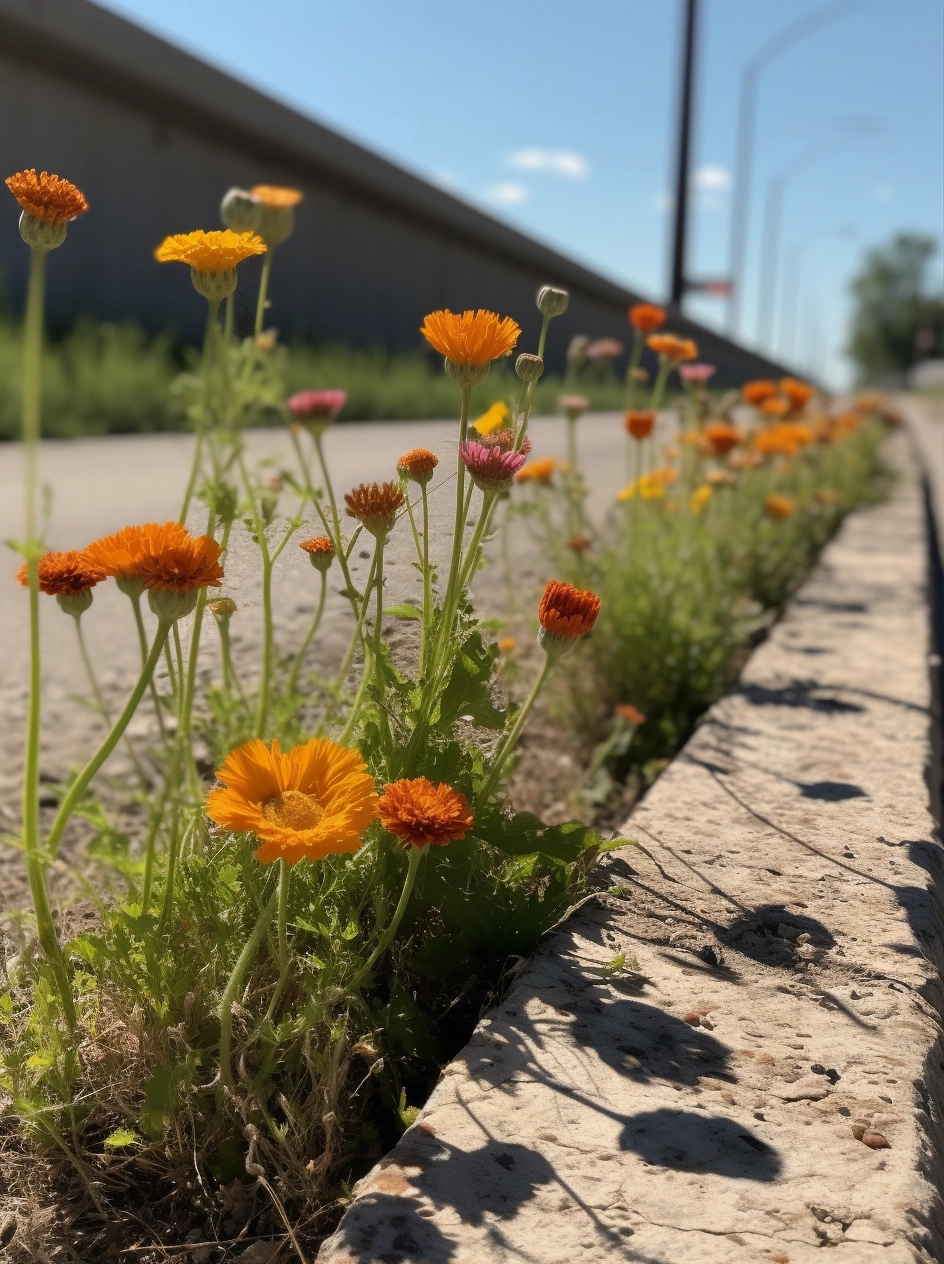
{"x": 70, "y": 572}
{"x": 629, "y": 714}
{"x": 798, "y": 393}
{"x": 507, "y": 644}
{"x": 216, "y": 251}
{"x": 313, "y": 801}
{"x": 375, "y": 505}
{"x": 646, "y": 317}
{"x": 46, "y": 197}
{"x": 540, "y": 471}
{"x": 422, "y": 814}
{"x": 639, "y": 422}
{"x": 775, "y": 406}
{"x": 779, "y": 507}
{"x": 757, "y": 391}
{"x": 318, "y": 545}
{"x": 276, "y": 195}
{"x": 182, "y": 565}
{"x": 672, "y": 348}
{"x": 567, "y": 613}
{"x": 722, "y": 437}
{"x": 470, "y": 338}
{"x": 417, "y": 464}
{"x": 120, "y": 554}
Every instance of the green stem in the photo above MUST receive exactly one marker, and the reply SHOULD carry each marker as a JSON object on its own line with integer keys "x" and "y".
{"x": 263, "y": 290}
{"x": 511, "y": 740}
{"x": 416, "y": 855}
{"x": 266, "y": 680}
{"x": 300, "y": 657}
{"x": 634, "y": 358}
{"x": 81, "y": 783}
{"x": 213, "y": 308}
{"x": 658, "y": 387}
{"x": 427, "y": 586}
{"x": 366, "y": 673}
{"x": 235, "y": 983}
{"x": 461, "y": 507}
{"x": 142, "y": 642}
{"x": 100, "y": 702}
{"x": 285, "y": 874}
{"x": 468, "y": 566}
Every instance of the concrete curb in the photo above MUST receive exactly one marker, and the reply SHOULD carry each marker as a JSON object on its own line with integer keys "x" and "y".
{"x": 770, "y": 1082}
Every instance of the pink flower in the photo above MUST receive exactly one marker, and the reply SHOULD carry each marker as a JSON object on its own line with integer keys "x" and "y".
{"x": 696, "y": 372}
{"x": 574, "y": 406}
{"x": 317, "y": 405}
{"x": 604, "y": 349}
{"x": 491, "y": 469}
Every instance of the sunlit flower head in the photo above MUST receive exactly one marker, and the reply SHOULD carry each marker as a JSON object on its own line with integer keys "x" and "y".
{"x": 541, "y": 470}
{"x": 182, "y": 565}
{"x": 313, "y": 801}
{"x": 574, "y": 406}
{"x": 566, "y": 613}
{"x": 722, "y": 437}
{"x": 316, "y": 405}
{"x": 421, "y": 814}
{"x": 639, "y": 422}
{"x": 276, "y": 195}
{"x": 646, "y": 317}
{"x": 222, "y": 608}
{"x": 775, "y": 406}
{"x": 671, "y": 348}
{"x": 650, "y": 486}
{"x": 375, "y": 505}
{"x": 604, "y": 349}
{"x": 470, "y": 338}
{"x": 320, "y": 552}
{"x": 65, "y": 573}
{"x": 417, "y": 464}
{"x": 700, "y": 498}
{"x": 494, "y": 418}
{"x": 629, "y": 714}
{"x": 216, "y": 251}
{"x": 120, "y": 555}
{"x": 699, "y": 373}
{"x": 46, "y": 197}
{"x": 491, "y": 469}
{"x": 757, "y": 391}
{"x": 798, "y": 393}
{"x": 779, "y": 507}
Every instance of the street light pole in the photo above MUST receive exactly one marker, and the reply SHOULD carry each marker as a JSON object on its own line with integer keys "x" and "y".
{"x": 680, "y": 235}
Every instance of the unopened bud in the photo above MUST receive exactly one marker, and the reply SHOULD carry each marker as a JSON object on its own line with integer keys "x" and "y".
{"x": 239, "y": 211}
{"x": 529, "y": 367}
{"x": 170, "y": 605}
{"x": 222, "y": 608}
{"x": 552, "y": 301}
{"x": 276, "y": 224}
{"x": 466, "y": 375}
{"x": 39, "y": 235}
{"x": 76, "y": 603}
{"x": 214, "y": 286}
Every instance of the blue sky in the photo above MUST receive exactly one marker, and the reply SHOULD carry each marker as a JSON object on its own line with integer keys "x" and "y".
{"x": 559, "y": 118}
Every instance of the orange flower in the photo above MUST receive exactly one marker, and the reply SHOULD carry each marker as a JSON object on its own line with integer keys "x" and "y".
{"x": 779, "y": 507}
{"x": 639, "y": 422}
{"x": 275, "y": 195}
{"x": 541, "y": 470}
{"x": 417, "y": 464}
{"x": 48, "y": 198}
{"x": 120, "y": 554}
{"x": 182, "y": 565}
{"x": 320, "y": 552}
{"x": 722, "y": 437}
{"x": 375, "y": 505}
{"x": 845, "y": 424}
{"x": 757, "y": 391}
{"x": 567, "y": 613}
{"x": 629, "y": 714}
{"x": 422, "y": 814}
{"x": 646, "y": 317}
{"x": 672, "y": 348}
{"x": 65, "y": 573}
{"x": 798, "y": 393}
{"x": 507, "y": 644}
{"x": 217, "y": 251}
{"x": 315, "y": 800}
{"x": 775, "y": 406}
{"x": 579, "y": 543}
{"x": 472, "y": 338}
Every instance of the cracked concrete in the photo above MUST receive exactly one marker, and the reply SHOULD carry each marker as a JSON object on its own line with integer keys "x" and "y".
{"x": 766, "y": 1081}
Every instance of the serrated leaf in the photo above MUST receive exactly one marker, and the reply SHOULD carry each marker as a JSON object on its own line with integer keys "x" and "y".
{"x": 522, "y": 833}
{"x": 121, "y": 1138}
{"x": 403, "y": 611}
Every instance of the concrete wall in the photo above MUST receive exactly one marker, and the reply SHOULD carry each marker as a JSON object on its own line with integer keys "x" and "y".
{"x": 154, "y": 137}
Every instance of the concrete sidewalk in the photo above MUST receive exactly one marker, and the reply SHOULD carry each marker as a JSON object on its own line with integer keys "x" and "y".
{"x": 767, "y": 1079}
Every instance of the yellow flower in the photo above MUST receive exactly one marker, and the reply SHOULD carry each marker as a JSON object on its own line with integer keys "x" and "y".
{"x": 217, "y": 251}
{"x": 700, "y": 498}
{"x": 493, "y": 419}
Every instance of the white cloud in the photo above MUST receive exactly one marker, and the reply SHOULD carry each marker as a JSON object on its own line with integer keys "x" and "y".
{"x": 559, "y": 162}
{"x": 882, "y": 193}
{"x": 508, "y": 193}
{"x": 711, "y": 179}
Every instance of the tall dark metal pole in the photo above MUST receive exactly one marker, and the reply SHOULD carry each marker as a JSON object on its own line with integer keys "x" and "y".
{"x": 677, "y": 285}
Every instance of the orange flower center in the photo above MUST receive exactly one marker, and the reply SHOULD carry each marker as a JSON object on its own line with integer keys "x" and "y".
{"x": 293, "y": 810}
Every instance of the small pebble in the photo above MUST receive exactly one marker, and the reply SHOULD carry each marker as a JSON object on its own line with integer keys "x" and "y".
{"x": 693, "y": 1019}
{"x": 875, "y": 1141}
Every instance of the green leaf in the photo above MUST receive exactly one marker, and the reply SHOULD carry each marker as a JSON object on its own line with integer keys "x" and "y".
{"x": 403, "y": 611}
{"x": 160, "y": 1094}
{"x": 120, "y": 1138}
{"x": 523, "y": 832}
{"x": 469, "y": 689}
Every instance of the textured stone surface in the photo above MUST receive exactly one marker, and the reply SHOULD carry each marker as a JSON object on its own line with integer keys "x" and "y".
{"x": 769, "y": 1082}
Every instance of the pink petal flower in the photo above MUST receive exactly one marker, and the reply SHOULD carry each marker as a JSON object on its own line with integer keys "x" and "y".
{"x": 491, "y": 469}
{"x": 696, "y": 372}
{"x": 312, "y": 404}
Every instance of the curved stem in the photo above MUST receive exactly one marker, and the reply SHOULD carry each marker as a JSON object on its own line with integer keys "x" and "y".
{"x": 100, "y": 702}
{"x": 235, "y": 982}
{"x": 213, "y": 308}
{"x": 263, "y": 290}
{"x": 81, "y": 783}
{"x": 511, "y": 740}
{"x": 416, "y": 855}
{"x": 300, "y": 656}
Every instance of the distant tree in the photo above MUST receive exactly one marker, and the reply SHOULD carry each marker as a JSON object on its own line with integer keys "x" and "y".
{"x": 895, "y": 322}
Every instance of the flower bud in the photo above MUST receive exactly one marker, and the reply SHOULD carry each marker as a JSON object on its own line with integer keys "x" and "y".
{"x": 466, "y": 375}
{"x": 529, "y": 367}
{"x": 170, "y": 605}
{"x": 276, "y": 224}
{"x": 222, "y": 608}
{"x": 214, "y": 286}
{"x": 239, "y": 211}
{"x": 552, "y": 301}
{"x": 75, "y": 603}
{"x": 132, "y": 588}
{"x": 39, "y": 234}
